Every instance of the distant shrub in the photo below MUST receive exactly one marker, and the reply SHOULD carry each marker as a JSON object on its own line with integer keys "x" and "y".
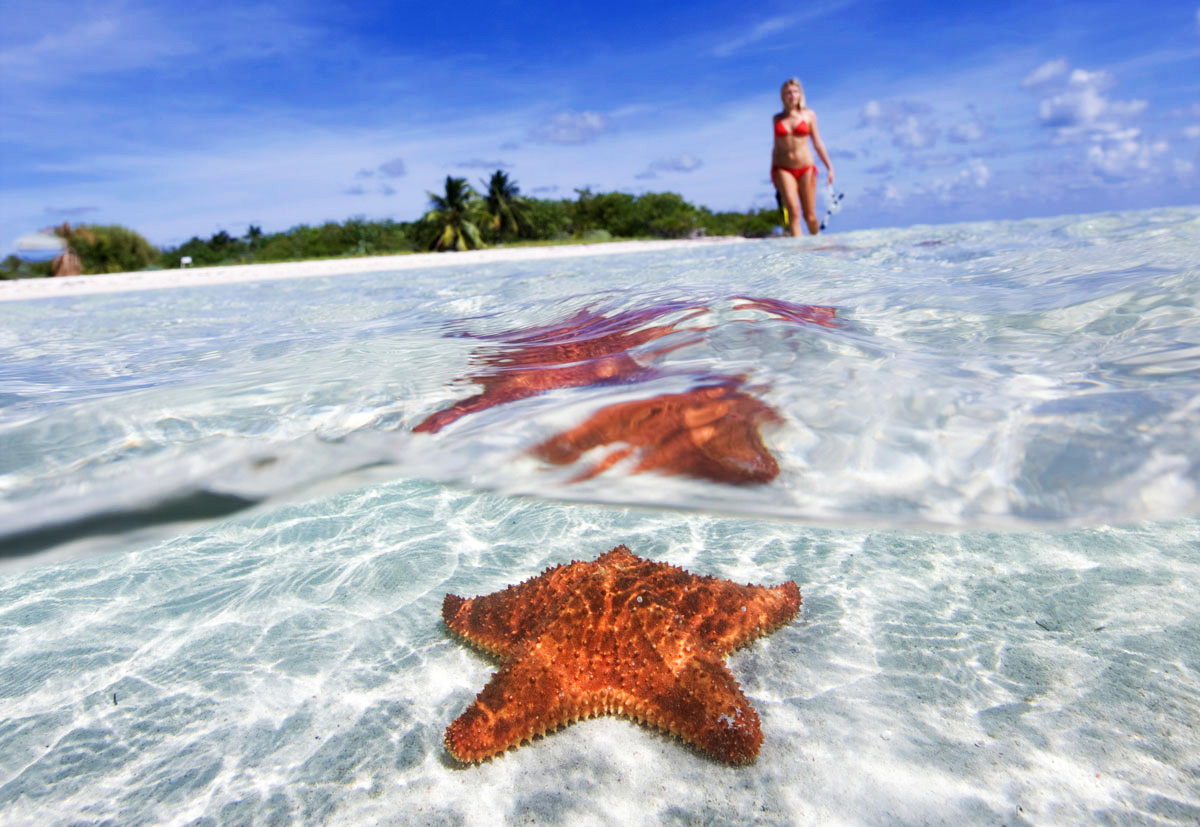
{"x": 17, "y": 268}
{"x": 665, "y": 215}
{"x": 546, "y": 219}
{"x": 111, "y": 248}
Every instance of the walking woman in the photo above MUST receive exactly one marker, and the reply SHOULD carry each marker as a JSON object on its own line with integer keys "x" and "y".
{"x": 793, "y": 169}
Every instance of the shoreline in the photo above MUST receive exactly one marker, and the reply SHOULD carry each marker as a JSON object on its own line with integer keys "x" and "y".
{"x": 44, "y": 288}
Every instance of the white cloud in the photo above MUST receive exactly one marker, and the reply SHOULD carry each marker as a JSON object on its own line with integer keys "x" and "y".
{"x": 108, "y": 42}
{"x": 1072, "y": 108}
{"x": 1192, "y": 131}
{"x": 761, "y": 31}
{"x": 956, "y": 189}
{"x": 1047, "y": 71}
{"x": 886, "y": 195}
{"x": 1082, "y": 78}
{"x": 788, "y": 26}
{"x": 571, "y": 128}
{"x": 1123, "y": 155}
{"x": 1080, "y": 107}
{"x": 977, "y": 173}
{"x": 872, "y": 111}
{"x": 105, "y": 37}
{"x": 1183, "y": 168}
{"x": 1126, "y": 109}
{"x": 912, "y": 133}
{"x": 967, "y": 131}
{"x": 906, "y": 121}
{"x": 680, "y": 163}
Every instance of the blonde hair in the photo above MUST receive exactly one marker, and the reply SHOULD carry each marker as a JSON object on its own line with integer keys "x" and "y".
{"x": 793, "y": 82}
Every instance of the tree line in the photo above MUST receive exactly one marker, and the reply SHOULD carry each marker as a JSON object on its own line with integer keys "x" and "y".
{"x": 459, "y": 218}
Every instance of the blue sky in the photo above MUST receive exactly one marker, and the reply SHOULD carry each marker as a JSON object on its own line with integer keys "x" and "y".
{"x": 184, "y": 118}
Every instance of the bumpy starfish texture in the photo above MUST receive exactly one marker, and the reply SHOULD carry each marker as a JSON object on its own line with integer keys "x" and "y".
{"x": 711, "y": 432}
{"x": 619, "y": 635}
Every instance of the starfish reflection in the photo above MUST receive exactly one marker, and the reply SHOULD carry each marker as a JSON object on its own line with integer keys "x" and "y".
{"x": 588, "y": 349}
{"x": 710, "y": 432}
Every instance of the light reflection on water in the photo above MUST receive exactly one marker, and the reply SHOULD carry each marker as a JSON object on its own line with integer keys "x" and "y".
{"x": 265, "y": 645}
{"x": 1033, "y": 373}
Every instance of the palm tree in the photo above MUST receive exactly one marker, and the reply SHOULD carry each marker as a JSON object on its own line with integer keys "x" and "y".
{"x": 451, "y": 223}
{"x": 504, "y": 204}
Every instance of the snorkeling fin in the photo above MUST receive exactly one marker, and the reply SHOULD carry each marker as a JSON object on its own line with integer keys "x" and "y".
{"x": 834, "y": 200}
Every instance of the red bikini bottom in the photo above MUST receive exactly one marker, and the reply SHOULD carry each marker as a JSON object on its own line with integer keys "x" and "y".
{"x": 796, "y": 172}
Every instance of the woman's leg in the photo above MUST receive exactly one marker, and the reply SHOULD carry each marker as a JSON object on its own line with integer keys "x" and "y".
{"x": 808, "y": 199}
{"x": 789, "y": 189}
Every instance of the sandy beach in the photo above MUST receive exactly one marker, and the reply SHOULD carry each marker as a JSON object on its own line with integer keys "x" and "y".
{"x": 19, "y": 289}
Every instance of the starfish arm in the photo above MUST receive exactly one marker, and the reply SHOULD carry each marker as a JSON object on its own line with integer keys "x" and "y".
{"x": 725, "y": 616}
{"x": 803, "y": 313}
{"x": 603, "y": 465}
{"x": 704, "y": 706}
{"x": 565, "y": 448}
{"x": 736, "y": 454}
{"x": 440, "y": 419}
{"x": 501, "y": 621}
{"x": 637, "y": 423}
{"x": 523, "y": 700}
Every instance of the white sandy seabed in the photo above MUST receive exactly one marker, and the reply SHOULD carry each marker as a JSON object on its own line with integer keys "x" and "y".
{"x": 290, "y": 666}
{"x": 18, "y": 289}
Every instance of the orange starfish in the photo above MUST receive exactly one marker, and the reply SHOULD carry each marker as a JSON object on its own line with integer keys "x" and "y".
{"x": 588, "y": 349}
{"x": 803, "y": 313}
{"x": 616, "y": 636}
{"x": 709, "y": 432}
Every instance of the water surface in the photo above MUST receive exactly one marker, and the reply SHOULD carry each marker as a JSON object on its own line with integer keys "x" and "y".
{"x": 227, "y": 539}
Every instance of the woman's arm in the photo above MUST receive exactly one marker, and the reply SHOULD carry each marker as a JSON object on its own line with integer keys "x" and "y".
{"x": 819, "y": 146}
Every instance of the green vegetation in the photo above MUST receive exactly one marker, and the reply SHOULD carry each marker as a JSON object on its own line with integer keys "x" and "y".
{"x": 101, "y": 248}
{"x": 452, "y": 224}
{"x": 355, "y": 237}
{"x": 15, "y": 268}
{"x": 506, "y": 209}
{"x": 459, "y": 218}
{"x": 111, "y": 248}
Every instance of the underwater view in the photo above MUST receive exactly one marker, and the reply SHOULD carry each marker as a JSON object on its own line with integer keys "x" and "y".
{"x": 230, "y": 517}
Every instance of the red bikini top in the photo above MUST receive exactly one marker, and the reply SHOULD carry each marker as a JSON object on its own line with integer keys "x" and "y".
{"x": 800, "y": 128}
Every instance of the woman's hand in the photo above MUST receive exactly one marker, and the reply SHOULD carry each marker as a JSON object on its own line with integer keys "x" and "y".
{"x": 831, "y": 176}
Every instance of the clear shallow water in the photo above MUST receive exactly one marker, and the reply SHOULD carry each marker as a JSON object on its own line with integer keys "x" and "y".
{"x": 287, "y": 659}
